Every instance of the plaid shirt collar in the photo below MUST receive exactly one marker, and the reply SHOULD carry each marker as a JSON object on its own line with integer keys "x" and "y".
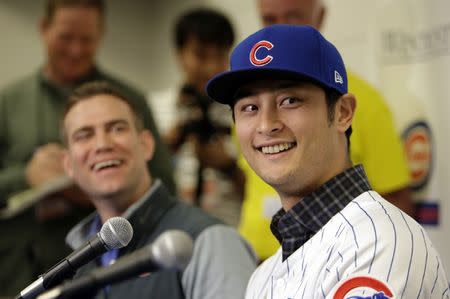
{"x": 306, "y": 218}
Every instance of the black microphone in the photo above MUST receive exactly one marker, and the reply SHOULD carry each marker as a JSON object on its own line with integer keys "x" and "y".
{"x": 115, "y": 233}
{"x": 172, "y": 250}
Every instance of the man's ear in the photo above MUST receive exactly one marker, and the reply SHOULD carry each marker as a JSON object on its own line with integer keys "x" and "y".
{"x": 43, "y": 25}
{"x": 67, "y": 164}
{"x": 180, "y": 58}
{"x": 148, "y": 143}
{"x": 320, "y": 16}
{"x": 345, "y": 111}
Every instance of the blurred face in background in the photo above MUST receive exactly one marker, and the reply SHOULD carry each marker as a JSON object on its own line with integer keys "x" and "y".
{"x": 200, "y": 62}
{"x": 106, "y": 154}
{"x": 71, "y": 37}
{"x": 294, "y": 12}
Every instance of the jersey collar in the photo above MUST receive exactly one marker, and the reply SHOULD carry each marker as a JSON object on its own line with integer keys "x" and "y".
{"x": 295, "y": 227}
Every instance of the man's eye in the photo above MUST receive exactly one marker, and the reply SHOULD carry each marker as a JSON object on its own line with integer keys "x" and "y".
{"x": 119, "y": 127}
{"x": 200, "y": 54}
{"x": 81, "y": 136}
{"x": 65, "y": 37}
{"x": 249, "y": 108}
{"x": 290, "y": 101}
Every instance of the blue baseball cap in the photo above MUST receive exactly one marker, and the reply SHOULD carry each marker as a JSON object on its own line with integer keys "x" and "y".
{"x": 281, "y": 52}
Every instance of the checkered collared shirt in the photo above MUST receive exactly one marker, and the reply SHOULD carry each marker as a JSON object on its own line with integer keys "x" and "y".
{"x": 306, "y": 218}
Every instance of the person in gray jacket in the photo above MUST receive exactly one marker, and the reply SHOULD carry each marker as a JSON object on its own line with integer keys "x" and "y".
{"x": 106, "y": 153}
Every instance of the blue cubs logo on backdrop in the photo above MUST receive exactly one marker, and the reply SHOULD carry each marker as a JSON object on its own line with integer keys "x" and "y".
{"x": 258, "y": 59}
{"x": 418, "y": 141}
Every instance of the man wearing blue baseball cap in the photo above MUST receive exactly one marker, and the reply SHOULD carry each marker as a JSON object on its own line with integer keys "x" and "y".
{"x": 375, "y": 141}
{"x": 287, "y": 88}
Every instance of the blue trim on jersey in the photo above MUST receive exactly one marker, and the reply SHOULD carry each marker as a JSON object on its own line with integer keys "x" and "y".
{"x": 304, "y": 271}
{"x": 340, "y": 230}
{"x": 337, "y": 232}
{"x": 303, "y": 257}
{"x": 304, "y": 290}
{"x": 331, "y": 251}
{"x": 412, "y": 252}
{"x": 271, "y": 290}
{"x": 375, "y": 231}
{"x": 300, "y": 285}
{"x": 353, "y": 229}
{"x": 287, "y": 265}
{"x": 426, "y": 262}
{"x": 265, "y": 283}
{"x": 395, "y": 239}
{"x": 437, "y": 274}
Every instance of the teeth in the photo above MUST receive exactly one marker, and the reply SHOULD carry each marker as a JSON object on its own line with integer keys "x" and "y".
{"x": 274, "y": 149}
{"x": 108, "y": 163}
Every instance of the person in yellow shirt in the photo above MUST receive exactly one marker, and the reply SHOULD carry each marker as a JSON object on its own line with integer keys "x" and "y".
{"x": 373, "y": 143}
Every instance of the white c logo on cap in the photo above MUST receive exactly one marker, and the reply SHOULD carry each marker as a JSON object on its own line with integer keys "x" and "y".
{"x": 260, "y": 62}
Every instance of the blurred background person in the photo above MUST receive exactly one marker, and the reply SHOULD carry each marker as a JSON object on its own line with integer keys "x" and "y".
{"x": 31, "y": 152}
{"x": 375, "y": 142}
{"x": 196, "y": 128}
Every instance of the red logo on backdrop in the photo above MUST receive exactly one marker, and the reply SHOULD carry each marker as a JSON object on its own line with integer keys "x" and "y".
{"x": 378, "y": 289}
{"x": 418, "y": 147}
{"x": 260, "y": 62}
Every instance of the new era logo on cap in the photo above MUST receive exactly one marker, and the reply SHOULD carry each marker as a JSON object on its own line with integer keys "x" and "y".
{"x": 281, "y": 52}
{"x": 338, "y": 78}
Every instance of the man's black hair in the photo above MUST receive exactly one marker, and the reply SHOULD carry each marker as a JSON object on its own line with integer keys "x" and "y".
{"x": 53, "y": 5}
{"x": 91, "y": 89}
{"x": 206, "y": 25}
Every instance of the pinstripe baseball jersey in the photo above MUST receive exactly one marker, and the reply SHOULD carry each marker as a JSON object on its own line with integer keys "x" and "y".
{"x": 370, "y": 250}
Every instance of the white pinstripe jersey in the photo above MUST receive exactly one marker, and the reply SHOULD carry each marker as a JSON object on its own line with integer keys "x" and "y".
{"x": 367, "y": 250}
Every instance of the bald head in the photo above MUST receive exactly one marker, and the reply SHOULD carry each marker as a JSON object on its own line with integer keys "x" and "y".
{"x": 295, "y": 12}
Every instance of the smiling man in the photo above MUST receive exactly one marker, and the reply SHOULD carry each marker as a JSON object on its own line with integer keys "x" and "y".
{"x": 106, "y": 150}
{"x": 375, "y": 141}
{"x": 107, "y": 153}
{"x": 339, "y": 239}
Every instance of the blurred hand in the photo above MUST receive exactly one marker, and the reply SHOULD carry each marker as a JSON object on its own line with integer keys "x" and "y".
{"x": 173, "y": 138}
{"x": 213, "y": 154}
{"x": 61, "y": 203}
{"x": 76, "y": 196}
{"x": 52, "y": 207}
{"x": 45, "y": 165}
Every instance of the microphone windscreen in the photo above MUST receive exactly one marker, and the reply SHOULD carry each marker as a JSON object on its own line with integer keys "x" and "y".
{"x": 173, "y": 249}
{"x": 116, "y": 233}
